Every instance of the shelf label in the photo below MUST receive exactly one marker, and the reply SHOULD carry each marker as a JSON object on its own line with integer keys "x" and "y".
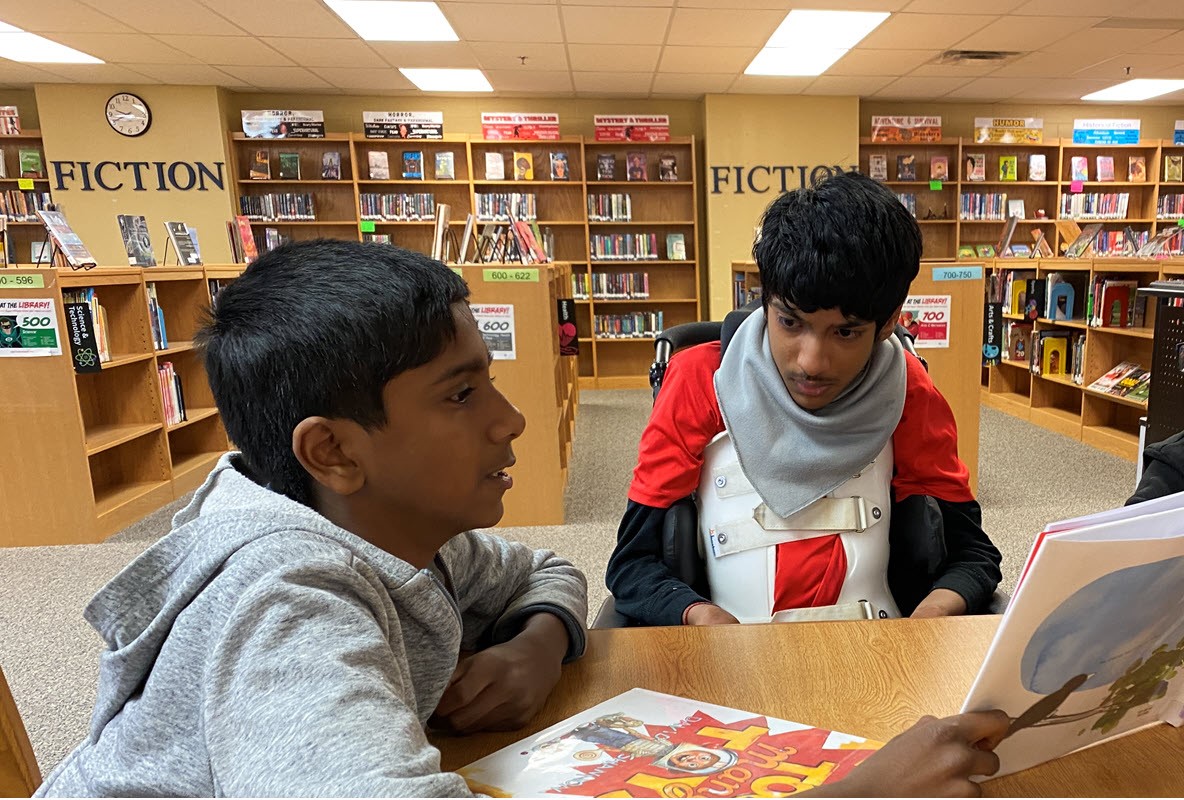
{"x": 511, "y": 275}
{"x": 935, "y": 186}
{"x": 1105, "y": 131}
{"x": 29, "y": 328}
{"x": 1180, "y": 222}
{"x": 38, "y": 281}
{"x": 24, "y": 184}
{"x": 958, "y": 273}
{"x": 496, "y": 323}
{"x": 367, "y": 226}
{"x": 458, "y": 271}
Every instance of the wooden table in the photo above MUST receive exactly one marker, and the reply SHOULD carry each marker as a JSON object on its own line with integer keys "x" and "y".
{"x": 872, "y": 679}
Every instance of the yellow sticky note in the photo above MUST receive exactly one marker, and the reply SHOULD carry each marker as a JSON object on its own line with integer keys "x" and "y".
{"x": 25, "y": 184}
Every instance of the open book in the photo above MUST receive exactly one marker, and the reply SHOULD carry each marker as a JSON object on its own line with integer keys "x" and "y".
{"x": 644, "y": 744}
{"x": 1092, "y": 644}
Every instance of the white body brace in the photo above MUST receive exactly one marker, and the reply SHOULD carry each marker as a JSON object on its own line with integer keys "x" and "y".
{"x": 739, "y": 535}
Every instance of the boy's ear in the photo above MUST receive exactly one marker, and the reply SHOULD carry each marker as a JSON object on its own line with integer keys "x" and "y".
{"x": 321, "y": 445}
{"x": 890, "y": 326}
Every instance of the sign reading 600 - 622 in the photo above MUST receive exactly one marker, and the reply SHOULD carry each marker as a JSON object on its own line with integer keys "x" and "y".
{"x": 525, "y": 275}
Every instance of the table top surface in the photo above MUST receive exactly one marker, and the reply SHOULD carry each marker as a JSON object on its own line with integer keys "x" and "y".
{"x": 872, "y": 679}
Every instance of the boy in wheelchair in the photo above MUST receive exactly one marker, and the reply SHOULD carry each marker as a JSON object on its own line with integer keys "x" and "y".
{"x": 820, "y": 457}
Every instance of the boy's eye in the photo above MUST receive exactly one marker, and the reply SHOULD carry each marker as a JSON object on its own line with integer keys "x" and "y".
{"x": 788, "y": 322}
{"x": 462, "y": 395}
{"x": 848, "y": 333}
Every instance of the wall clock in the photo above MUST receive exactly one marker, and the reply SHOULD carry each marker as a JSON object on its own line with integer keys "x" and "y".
{"x": 128, "y": 114}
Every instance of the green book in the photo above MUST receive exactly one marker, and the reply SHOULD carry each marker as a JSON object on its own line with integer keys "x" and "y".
{"x": 31, "y": 165}
{"x": 290, "y": 166}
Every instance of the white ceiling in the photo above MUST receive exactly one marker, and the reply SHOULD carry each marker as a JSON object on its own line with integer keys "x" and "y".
{"x": 612, "y": 48}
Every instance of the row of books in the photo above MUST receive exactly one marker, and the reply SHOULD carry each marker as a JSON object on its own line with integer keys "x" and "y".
{"x": 1079, "y": 168}
{"x": 1125, "y": 379}
{"x": 636, "y": 167}
{"x": 269, "y": 239}
{"x": 611, "y": 285}
{"x": 397, "y": 207}
{"x": 975, "y": 168}
{"x": 640, "y": 324}
{"x": 629, "y": 246}
{"x": 379, "y": 165}
{"x": 500, "y": 206}
{"x": 610, "y": 208}
{"x": 216, "y": 287}
{"x": 1115, "y": 243}
{"x": 29, "y": 164}
{"x": 289, "y": 164}
{"x": 18, "y": 206}
{"x": 137, "y": 242}
{"x": 160, "y": 335}
{"x": 522, "y": 166}
{"x": 978, "y": 206}
{"x": 171, "y": 393}
{"x": 1170, "y": 206}
{"x": 1112, "y": 303}
{"x": 1049, "y": 353}
{"x": 98, "y": 318}
{"x": 909, "y": 200}
{"x": 279, "y": 207}
{"x": 1095, "y": 205}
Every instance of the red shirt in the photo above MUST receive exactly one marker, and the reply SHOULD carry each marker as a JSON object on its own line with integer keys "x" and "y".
{"x": 686, "y": 417}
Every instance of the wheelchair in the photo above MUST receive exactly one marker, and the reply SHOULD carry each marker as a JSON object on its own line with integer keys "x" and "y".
{"x": 680, "y": 527}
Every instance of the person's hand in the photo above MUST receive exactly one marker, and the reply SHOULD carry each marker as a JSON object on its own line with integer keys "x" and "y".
{"x": 709, "y": 614}
{"x": 934, "y": 758}
{"x": 940, "y": 603}
{"x": 504, "y": 686}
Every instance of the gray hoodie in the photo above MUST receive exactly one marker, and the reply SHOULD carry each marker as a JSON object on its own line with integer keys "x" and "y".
{"x": 259, "y": 649}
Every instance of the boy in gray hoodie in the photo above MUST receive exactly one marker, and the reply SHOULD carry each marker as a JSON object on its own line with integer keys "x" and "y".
{"x": 295, "y": 631}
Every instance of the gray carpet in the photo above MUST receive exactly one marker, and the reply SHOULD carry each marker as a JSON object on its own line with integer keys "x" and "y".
{"x": 1028, "y": 476}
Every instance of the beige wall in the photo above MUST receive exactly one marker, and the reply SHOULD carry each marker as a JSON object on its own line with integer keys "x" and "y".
{"x": 186, "y": 126}
{"x": 26, "y": 104}
{"x": 759, "y": 130}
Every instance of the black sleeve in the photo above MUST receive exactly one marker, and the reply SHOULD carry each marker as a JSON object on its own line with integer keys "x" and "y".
{"x": 972, "y": 561}
{"x": 1163, "y": 470}
{"x": 643, "y": 587}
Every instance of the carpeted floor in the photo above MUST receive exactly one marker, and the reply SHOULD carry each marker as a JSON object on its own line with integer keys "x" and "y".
{"x": 1028, "y": 477}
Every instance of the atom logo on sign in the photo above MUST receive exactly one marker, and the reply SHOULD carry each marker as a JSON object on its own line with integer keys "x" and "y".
{"x": 85, "y": 357}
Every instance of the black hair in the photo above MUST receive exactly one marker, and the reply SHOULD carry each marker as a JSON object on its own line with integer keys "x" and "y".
{"x": 318, "y": 328}
{"x": 846, "y": 243}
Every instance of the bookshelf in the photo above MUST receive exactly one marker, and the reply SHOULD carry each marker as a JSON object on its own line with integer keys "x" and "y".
{"x": 21, "y": 236}
{"x": 664, "y": 209}
{"x": 942, "y": 238}
{"x": 95, "y": 451}
{"x": 1055, "y": 402}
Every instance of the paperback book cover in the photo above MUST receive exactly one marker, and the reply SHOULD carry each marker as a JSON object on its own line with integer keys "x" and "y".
{"x": 246, "y": 239}
{"x": 31, "y": 164}
{"x": 136, "y": 241}
{"x": 523, "y": 167}
{"x": 661, "y": 742}
{"x": 261, "y": 166}
{"x": 331, "y": 166}
{"x": 636, "y": 161}
{"x": 413, "y": 165}
{"x": 1079, "y": 168}
{"x": 289, "y": 166}
{"x": 985, "y": 250}
{"x": 1136, "y": 170}
{"x": 183, "y": 243}
{"x": 676, "y": 247}
{"x": 74, "y": 251}
{"x": 667, "y": 168}
{"x": 606, "y": 167}
{"x": 1111, "y": 378}
{"x": 1105, "y": 168}
{"x": 877, "y": 166}
{"x": 966, "y": 251}
{"x": 446, "y": 166}
{"x": 939, "y": 168}
{"x": 380, "y": 165}
{"x": 1018, "y": 337}
{"x": 495, "y": 167}
{"x": 1173, "y": 168}
{"x": 906, "y": 167}
{"x": 976, "y": 166}
{"x": 560, "y": 168}
{"x": 1037, "y": 167}
{"x": 1008, "y": 168}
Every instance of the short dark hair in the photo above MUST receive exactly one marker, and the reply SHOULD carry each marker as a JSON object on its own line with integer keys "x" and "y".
{"x": 318, "y": 328}
{"x": 846, "y": 243}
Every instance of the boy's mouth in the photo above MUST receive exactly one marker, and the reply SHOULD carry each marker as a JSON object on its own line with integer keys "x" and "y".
{"x": 502, "y": 476}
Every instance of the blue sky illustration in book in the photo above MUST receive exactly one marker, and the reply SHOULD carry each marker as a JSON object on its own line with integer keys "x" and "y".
{"x": 1111, "y": 632}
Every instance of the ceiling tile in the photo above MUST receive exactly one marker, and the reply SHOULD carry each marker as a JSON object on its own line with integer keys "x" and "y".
{"x": 1105, "y": 42}
{"x": 445, "y": 3}
{"x": 326, "y": 52}
{"x": 969, "y": 69}
{"x": 187, "y": 74}
{"x": 1143, "y": 65}
{"x": 613, "y": 57}
{"x": 1072, "y": 8}
{"x": 692, "y": 84}
{"x": 617, "y": 3}
{"x": 504, "y": 22}
{"x": 863, "y": 61}
{"x": 1159, "y": 9}
{"x": 241, "y": 51}
{"x": 1173, "y": 44}
{"x": 1068, "y": 89}
{"x": 991, "y": 89}
{"x": 842, "y": 85}
{"x": 123, "y": 47}
{"x": 47, "y": 16}
{"x": 277, "y": 78}
{"x": 616, "y": 82}
{"x": 625, "y": 25}
{"x": 491, "y": 55}
{"x": 435, "y": 55}
{"x": 769, "y": 84}
{"x": 947, "y": 7}
{"x": 13, "y": 73}
{"x": 366, "y": 79}
{"x": 1042, "y": 64}
{"x": 94, "y": 73}
{"x": 924, "y": 31}
{"x": 920, "y": 88}
{"x": 547, "y": 82}
{"x": 173, "y": 16}
{"x": 786, "y": 5}
{"x": 709, "y": 27}
{"x": 1011, "y": 34}
{"x": 283, "y": 18}
{"x": 706, "y": 59}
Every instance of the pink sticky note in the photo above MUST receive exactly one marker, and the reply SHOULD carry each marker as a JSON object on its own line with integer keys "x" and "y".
{"x": 1077, "y": 187}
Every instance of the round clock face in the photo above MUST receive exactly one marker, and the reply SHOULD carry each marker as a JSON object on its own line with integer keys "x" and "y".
{"x": 128, "y": 114}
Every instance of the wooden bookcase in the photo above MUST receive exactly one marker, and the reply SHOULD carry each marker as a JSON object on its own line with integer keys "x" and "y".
{"x": 21, "y": 236}
{"x": 94, "y": 451}
{"x": 659, "y": 207}
{"x": 1055, "y": 402}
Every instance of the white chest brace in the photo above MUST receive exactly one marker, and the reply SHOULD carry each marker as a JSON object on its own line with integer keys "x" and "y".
{"x": 739, "y": 535}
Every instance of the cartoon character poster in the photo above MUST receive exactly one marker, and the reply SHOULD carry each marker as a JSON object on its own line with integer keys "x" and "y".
{"x": 646, "y": 744}
{"x": 1093, "y": 643}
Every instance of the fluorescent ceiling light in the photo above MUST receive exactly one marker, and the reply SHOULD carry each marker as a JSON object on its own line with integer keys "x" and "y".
{"x": 29, "y": 48}
{"x": 448, "y": 80}
{"x": 1137, "y": 89}
{"x": 808, "y": 42}
{"x": 395, "y": 20}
